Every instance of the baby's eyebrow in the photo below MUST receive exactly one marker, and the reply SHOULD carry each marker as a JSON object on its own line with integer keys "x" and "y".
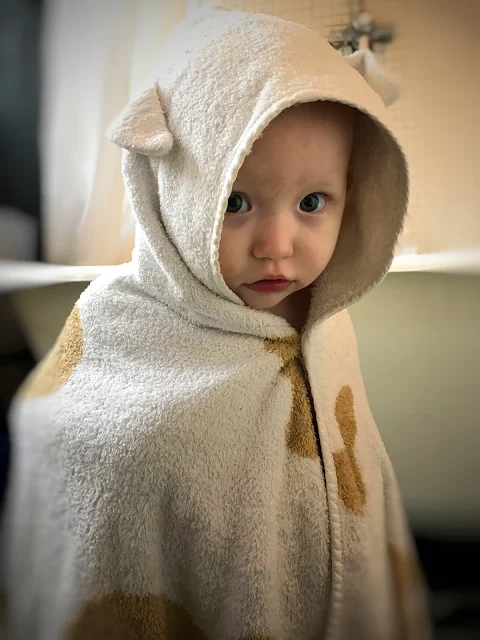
{"x": 324, "y": 184}
{"x": 327, "y": 184}
{"x": 310, "y": 182}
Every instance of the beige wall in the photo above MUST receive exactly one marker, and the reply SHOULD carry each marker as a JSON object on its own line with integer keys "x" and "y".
{"x": 419, "y": 345}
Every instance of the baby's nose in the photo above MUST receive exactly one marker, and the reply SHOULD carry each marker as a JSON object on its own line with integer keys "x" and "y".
{"x": 274, "y": 239}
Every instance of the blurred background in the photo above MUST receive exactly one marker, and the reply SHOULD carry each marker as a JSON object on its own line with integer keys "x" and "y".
{"x": 68, "y": 68}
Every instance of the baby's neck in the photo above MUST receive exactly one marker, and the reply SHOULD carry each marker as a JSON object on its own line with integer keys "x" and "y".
{"x": 294, "y": 308}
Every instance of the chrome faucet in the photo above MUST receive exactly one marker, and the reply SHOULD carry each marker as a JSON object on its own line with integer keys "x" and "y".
{"x": 362, "y": 33}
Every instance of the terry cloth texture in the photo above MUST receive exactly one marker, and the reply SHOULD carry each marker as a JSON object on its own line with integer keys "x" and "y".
{"x": 167, "y": 482}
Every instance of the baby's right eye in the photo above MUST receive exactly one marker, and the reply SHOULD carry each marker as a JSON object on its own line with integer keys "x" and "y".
{"x": 237, "y": 203}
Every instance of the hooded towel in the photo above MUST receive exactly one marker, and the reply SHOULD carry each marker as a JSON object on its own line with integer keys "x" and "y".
{"x": 168, "y": 478}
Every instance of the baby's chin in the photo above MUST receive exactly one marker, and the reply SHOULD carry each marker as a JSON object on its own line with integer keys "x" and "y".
{"x": 261, "y": 301}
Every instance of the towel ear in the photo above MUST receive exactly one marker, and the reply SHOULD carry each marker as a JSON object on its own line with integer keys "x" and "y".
{"x": 365, "y": 62}
{"x": 142, "y": 127}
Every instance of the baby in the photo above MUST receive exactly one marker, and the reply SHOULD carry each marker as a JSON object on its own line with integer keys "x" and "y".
{"x": 286, "y": 208}
{"x": 196, "y": 457}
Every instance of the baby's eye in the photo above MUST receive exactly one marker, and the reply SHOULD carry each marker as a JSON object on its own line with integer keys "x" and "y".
{"x": 237, "y": 203}
{"x": 313, "y": 202}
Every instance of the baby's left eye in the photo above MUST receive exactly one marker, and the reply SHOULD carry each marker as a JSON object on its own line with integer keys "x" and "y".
{"x": 313, "y": 202}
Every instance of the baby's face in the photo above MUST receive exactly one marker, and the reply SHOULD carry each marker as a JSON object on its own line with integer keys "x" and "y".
{"x": 285, "y": 211}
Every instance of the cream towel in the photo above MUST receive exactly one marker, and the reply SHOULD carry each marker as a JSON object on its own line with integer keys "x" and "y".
{"x": 167, "y": 482}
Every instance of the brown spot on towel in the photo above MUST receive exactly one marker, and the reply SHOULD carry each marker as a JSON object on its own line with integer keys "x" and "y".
{"x": 300, "y": 433}
{"x": 59, "y": 364}
{"x": 134, "y": 617}
{"x": 350, "y": 483}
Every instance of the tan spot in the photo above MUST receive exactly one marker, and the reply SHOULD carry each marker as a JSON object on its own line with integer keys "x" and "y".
{"x": 350, "y": 483}
{"x": 285, "y": 348}
{"x": 134, "y": 617}
{"x": 59, "y": 364}
{"x": 300, "y": 432}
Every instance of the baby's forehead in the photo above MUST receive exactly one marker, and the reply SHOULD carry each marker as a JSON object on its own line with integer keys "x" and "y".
{"x": 301, "y": 144}
{"x": 320, "y": 114}
{"x": 313, "y": 125}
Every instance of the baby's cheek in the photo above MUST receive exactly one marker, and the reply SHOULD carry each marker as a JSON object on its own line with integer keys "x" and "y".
{"x": 323, "y": 247}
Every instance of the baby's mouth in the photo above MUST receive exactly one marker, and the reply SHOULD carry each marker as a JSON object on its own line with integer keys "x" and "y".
{"x": 270, "y": 285}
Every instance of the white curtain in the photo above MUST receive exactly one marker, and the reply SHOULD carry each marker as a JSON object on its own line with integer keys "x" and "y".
{"x": 97, "y": 55}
